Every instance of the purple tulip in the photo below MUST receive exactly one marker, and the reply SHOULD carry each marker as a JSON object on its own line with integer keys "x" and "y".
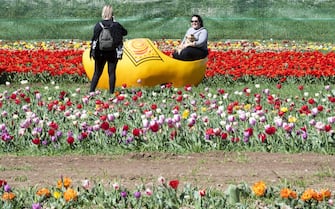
{"x": 38, "y": 96}
{"x": 108, "y": 133}
{"x": 314, "y": 111}
{"x": 331, "y": 120}
{"x": 137, "y": 195}
{"x": 312, "y": 122}
{"x": 242, "y": 116}
{"x": 145, "y": 123}
{"x": 176, "y": 117}
{"x": 266, "y": 91}
{"x": 279, "y": 122}
{"x": 59, "y": 134}
{"x": 53, "y": 138}
{"x": 27, "y": 88}
{"x": 191, "y": 122}
{"x": 229, "y": 128}
{"x": 7, "y": 188}
{"x": 129, "y": 140}
{"x": 36, "y": 206}
{"x": 110, "y": 117}
{"x": 231, "y": 118}
{"x": 4, "y": 114}
{"x": 124, "y": 194}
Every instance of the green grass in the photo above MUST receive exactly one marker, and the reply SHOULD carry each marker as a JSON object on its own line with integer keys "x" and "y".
{"x": 259, "y": 19}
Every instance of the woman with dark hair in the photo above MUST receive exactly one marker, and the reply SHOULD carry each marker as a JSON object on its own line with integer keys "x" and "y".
{"x": 194, "y": 43}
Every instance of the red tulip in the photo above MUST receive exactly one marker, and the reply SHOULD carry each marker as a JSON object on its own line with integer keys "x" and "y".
{"x": 202, "y": 192}
{"x": 70, "y": 140}
{"x": 328, "y": 128}
{"x": 84, "y": 135}
{"x": 278, "y": 86}
{"x": 311, "y": 101}
{"x": 174, "y": 184}
{"x": 173, "y": 134}
{"x": 103, "y": 117}
{"x": 125, "y": 128}
{"x": 137, "y": 132}
{"x": 262, "y": 137}
{"x": 224, "y": 136}
{"x": 2, "y": 183}
{"x": 320, "y": 108}
{"x": 51, "y": 132}
{"x": 36, "y": 141}
{"x": 112, "y": 129}
{"x": 53, "y": 125}
{"x": 154, "y": 127}
{"x": 139, "y": 93}
{"x": 270, "y": 130}
{"x": 179, "y": 98}
{"x": 104, "y": 125}
{"x": 153, "y": 106}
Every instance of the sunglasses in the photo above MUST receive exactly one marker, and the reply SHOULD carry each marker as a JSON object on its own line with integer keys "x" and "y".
{"x": 194, "y": 20}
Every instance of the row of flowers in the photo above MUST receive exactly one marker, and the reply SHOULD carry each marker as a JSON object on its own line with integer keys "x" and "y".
{"x": 234, "y": 59}
{"x": 163, "y": 194}
{"x": 53, "y": 119}
{"x": 168, "y": 44}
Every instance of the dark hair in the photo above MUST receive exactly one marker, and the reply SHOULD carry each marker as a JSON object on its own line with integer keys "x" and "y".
{"x": 199, "y": 19}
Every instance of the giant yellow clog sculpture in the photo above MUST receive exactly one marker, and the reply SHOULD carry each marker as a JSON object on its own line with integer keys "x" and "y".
{"x": 143, "y": 64}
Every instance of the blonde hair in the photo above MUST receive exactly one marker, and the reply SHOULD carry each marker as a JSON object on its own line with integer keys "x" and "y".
{"x": 107, "y": 12}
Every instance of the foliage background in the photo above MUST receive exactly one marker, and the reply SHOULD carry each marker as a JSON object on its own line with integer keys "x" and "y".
{"x": 311, "y": 20}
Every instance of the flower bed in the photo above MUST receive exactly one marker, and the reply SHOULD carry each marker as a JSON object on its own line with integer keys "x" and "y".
{"x": 236, "y": 59}
{"x": 163, "y": 194}
{"x": 63, "y": 118}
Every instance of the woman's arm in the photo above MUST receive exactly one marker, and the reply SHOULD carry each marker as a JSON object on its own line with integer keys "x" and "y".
{"x": 201, "y": 38}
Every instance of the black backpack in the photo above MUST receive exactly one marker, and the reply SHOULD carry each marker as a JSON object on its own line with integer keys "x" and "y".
{"x": 106, "y": 41}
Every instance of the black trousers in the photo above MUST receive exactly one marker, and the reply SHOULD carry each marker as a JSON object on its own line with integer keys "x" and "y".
{"x": 190, "y": 53}
{"x": 100, "y": 62}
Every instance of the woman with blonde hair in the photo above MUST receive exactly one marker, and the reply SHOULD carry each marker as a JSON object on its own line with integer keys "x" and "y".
{"x": 100, "y": 56}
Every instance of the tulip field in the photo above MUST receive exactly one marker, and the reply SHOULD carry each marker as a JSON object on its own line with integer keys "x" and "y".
{"x": 257, "y": 96}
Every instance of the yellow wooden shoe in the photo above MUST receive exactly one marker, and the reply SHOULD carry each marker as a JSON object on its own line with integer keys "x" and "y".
{"x": 143, "y": 64}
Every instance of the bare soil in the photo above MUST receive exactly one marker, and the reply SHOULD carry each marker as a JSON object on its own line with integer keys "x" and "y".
{"x": 214, "y": 169}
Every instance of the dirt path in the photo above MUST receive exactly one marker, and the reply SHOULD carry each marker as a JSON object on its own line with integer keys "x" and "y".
{"x": 210, "y": 169}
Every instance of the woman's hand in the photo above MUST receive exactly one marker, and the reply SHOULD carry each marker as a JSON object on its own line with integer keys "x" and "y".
{"x": 188, "y": 44}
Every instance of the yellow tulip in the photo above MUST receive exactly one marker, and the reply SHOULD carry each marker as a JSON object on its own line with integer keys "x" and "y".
{"x": 247, "y": 106}
{"x": 283, "y": 109}
{"x": 185, "y": 114}
{"x": 292, "y": 119}
{"x": 57, "y": 195}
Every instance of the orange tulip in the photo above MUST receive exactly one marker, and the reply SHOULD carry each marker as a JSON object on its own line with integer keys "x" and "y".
{"x": 70, "y": 194}
{"x": 288, "y": 193}
{"x": 43, "y": 192}
{"x": 308, "y": 195}
{"x": 259, "y": 188}
{"x": 326, "y": 193}
{"x": 64, "y": 182}
{"x": 8, "y": 196}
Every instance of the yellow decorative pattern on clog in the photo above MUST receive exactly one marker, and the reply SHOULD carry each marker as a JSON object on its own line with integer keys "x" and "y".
{"x": 140, "y": 50}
